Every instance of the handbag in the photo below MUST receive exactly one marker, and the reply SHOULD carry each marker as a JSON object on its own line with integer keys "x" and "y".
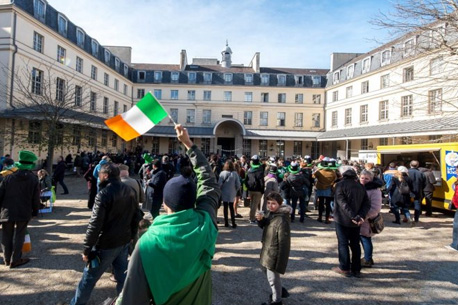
{"x": 377, "y": 225}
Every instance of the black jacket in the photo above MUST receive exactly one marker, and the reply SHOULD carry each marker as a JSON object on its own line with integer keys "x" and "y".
{"x": 19, "y": 196}
{"x": 350, "y": 200}
{"x": 59, "y": 172}
{"x": 418, "y": 182}
{"x": 255, "y": 180}
{"x": 114, "y": 220}
{"x": 157, "y": 182}
{"x": 402, "y": 201}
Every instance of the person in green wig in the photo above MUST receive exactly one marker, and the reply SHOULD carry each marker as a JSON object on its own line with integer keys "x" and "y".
{"x": 172, "y": 261}
{"x": 19, "y": 201}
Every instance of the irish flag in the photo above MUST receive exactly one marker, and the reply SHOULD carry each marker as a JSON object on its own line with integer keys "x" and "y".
{"x": 139, "y": 119}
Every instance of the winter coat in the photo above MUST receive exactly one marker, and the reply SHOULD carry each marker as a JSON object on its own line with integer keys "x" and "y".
{"x": 350, "y": 200}
{"x": 157, "y": 182}
{"x": 375, "y": 198}
{"x": 297, "y": 183}
{"x": 19, "y": 196}
{"x": 229, "y": 182}
{"x": 45, "y": 183}
{"x": 402, "y": 201}
{"x": 114, "y": 217}
{"x": 255, "y": 179}
{"x": 418, "y": 182}
{"x": 325, "y": 178}
{"x": 59, "y": 172}
{"x": 276, "y": 239}
{"x": 430, "y": 180}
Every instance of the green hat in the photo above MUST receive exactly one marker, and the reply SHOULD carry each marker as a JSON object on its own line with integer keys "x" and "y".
{"x": 328, "y": 163}
{"x": 147, "y": 158}
{"x": 294, "y": 167}
{"x": 27, "y": 160}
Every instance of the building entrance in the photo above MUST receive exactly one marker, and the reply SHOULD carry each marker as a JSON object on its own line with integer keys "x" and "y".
{"x": 227, "y": 146}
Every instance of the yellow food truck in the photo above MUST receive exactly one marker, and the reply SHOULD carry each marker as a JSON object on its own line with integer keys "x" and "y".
{"x": 444, "y": 156}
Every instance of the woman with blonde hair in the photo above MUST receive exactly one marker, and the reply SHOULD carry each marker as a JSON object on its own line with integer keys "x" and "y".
{"x": 401, "y": 188}
{"x": 229, "y": 182}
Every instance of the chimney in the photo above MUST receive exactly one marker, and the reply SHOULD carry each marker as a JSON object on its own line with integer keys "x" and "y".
{"x": 183, "y": 60}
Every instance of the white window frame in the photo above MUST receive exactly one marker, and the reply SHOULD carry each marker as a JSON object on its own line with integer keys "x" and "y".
{"x": 281, "y": 98}
{"x": 227, "y": 96}
{"x": 192, "y": 77}
{"x": 191, "y": 95}
{"x": 364, "y": 113}
{"x": 106, "y": 79}
{"x": 207, "y": 95}
{"x": 139, "y": 73}
{"x": 228, "y": 77}
{"x": 264, "y": 118}
{"x": 383, "y": 110}
{"x": 335, "y": 96}
{"x": 348, "y": 116}
{"x": 37, "y": 81}
{"x": 93, "y": 101}
{"x": 62, "y": 21}
{"x": 175, "y": 77}
{"x": 299, "y": 98}
{"x": 248, "y": 118}
{"x": 174, "y": 93}
{"x": 265, "y": 79}
{"x": 206, "y": 116}
{"x": 316, "y": 81}
{"x": 336, "y": 77}
{"x": 316, "y": 119}
{"x": 264, "y": 97}
{"x": 349, "y": 92}
{"x": 174, "y": 114}
{"x": 80, "y": 37}
{"x": 208, "y": 76}
{"x": 94, "y": 72}
{"x": 190, "y": 116}
{"x": 126, "y": 70}
{"x": 107, "y": 56}
{"x": 299, "y": 80}
{"x": 385, "y": 59}
{"x": 298, "y": 119}
{"x": 61, "y": 54}
{"x": 407, "y": 106}
{"x": 366, "y": 65}
{"x": 157, "y": 76}
{"x": 248, "y": 97}
{"x": 158, "y": 93}
{"x": 39, "y": 14}
{"x": 281, "y": 79}
{"x": 334, "y": 117}
{"x": 316, "y": 98}
{"x": 384, "y": 81}
{"x": 365, "y": 87}
{"x": 281, "y": 119}
{"x": 78, "y": 96}
{"x": 116, "y": 84}
{"x": 95, "y": 48}
{"x": 436, "y": 65}
{"x": 435, "y": 101}
{"x": 140, "y": 93}
{"x": 125, "y": 89}
{"x": 248, "y": 77}
{"x": 350, "y": 71}
{"x": 409, "y": 46}
{"x": 38, "y": 42}
{"x": 408, "y": 74}
{"x": 117, "y": 63}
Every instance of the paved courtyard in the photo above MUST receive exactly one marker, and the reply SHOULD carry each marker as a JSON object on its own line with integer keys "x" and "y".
{"x": 411, "y": 264}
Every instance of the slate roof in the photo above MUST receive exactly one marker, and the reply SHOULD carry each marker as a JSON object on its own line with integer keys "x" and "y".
{"x": 410, "y": 128}
{"x": 169, "y": 131}
{"x": 282, "y": 134}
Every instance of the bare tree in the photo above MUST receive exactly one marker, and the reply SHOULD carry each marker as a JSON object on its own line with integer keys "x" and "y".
{"x": 55, "y": 104}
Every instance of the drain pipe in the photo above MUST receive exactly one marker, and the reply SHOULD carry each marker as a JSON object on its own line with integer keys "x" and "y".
{"x": 13, "y": 60}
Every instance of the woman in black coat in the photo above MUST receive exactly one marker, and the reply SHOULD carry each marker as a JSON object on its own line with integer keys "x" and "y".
{"x": 399, "y": 200}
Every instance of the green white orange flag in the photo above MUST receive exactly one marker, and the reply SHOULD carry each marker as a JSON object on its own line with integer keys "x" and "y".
{"x": 147, "y": 113}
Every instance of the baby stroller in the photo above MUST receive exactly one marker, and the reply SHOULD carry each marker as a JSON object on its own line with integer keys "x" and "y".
{"x": 47, "y": 199}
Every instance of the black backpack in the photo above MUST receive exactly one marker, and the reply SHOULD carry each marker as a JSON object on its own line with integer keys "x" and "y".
{"x": 404, "y": 188}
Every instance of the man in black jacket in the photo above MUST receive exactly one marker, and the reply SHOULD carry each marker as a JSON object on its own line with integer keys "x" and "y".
{"x": 19, "y": 201}
{"x": 351, "y": 205}
{"x": 113, "y": 224}
{"x": 157, "y": 182}
{"x": 59, "y": 175}
{"x": 255, "y": 184}
{"x": 419, "y": 183}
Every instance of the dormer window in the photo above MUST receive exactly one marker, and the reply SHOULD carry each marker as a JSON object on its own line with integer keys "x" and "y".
{"x": 207, "y": 77}
{"x": 299, "y": 80}
{"x": 141, "y": 76}
{"x": 95, "y": 48}
{"x": 409, "y": 47}
{"x": 175, "y": 76}
{"x": 336, "y": 78}
{"x": 316, "y": 81}
{"x": 366, "y": 65}
{"x": 117, "y": 63}
{"x": 265, "y": 79}
{"x": 228, "y": 77}
{"x": 107, "y": 56}
{"x": 62, "y": 25}
{"x": 350, "y": 71}
{"x": 248, "y": 78}
{"x": 126, "y": 70}
{"x": 39, "y": 10}
{"x": 80, "y": 37}
{"x": 192, "y": 76}
{"x": 386, "y": 57}
{"x": 157, "y": 76}
{"x": 281, "y": 78}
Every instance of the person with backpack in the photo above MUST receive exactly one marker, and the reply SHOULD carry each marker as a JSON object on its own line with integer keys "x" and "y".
{"x": 418, "y": 183}
{"x": 297, "y": 181}
{"x": 401, "y": 186}
{"x": 255, "y": 185}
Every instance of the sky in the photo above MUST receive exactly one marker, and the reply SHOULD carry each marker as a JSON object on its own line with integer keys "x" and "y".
{"x": 287, "y": 33}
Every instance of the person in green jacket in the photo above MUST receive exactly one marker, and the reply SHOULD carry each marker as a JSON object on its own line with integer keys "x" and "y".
{"x": 276, "y": 244}
{"x": 171, "y": 264}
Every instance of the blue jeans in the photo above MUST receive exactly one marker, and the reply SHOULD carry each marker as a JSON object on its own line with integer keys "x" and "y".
{"x": 397, "y": 216}
{"x": 117, "y": 258}
{"x": 454, "y": 243}
{"x": 368, "y": 247}
{"x": 348, "y": 236}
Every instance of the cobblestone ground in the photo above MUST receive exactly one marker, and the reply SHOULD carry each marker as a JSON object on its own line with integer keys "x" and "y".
{"x": 411, "y": 264}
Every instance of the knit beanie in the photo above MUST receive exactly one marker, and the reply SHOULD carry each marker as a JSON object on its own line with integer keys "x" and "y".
{"x": 180, "y": 193}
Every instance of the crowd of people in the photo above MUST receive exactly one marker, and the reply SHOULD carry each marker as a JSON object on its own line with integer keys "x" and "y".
{"x": 189, "y": 189}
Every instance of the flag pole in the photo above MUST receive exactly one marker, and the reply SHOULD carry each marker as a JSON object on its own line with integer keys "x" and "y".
{"x": 170, "y": 117}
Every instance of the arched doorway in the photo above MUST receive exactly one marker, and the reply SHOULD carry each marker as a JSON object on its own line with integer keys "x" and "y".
{"x": 229, "y": 137}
